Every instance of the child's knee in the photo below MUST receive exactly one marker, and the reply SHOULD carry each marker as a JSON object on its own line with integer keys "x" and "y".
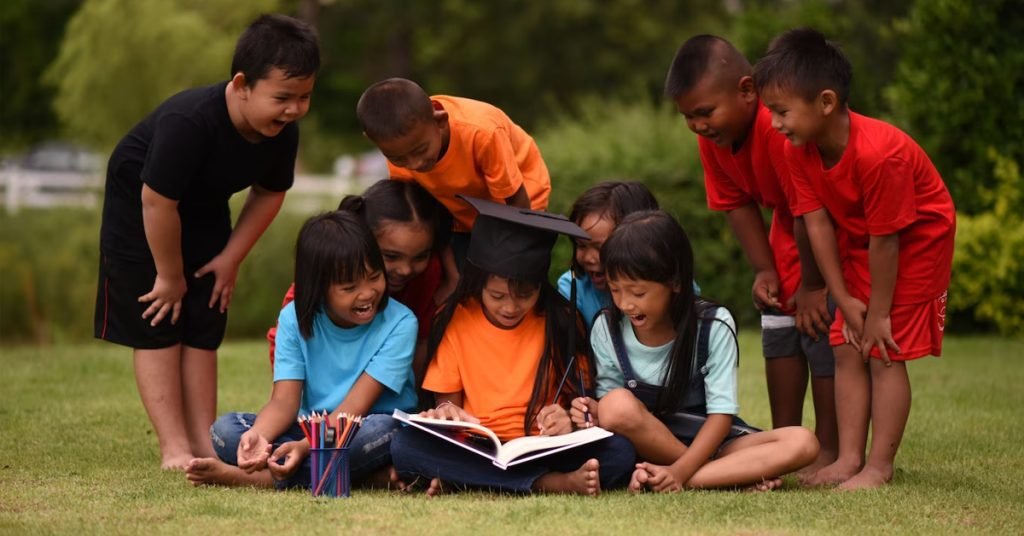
{"x": 618, "y": 410}
{"x": 226, "y": 432}
{"x": 802, "y": 443}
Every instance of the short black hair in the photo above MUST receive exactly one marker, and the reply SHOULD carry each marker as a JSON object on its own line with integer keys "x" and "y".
{"x": 276, "y": 41}
{"x": 391, "y": 108}
{"x": 403, "y": 202}
{"x": 333, "y": 248}
{"x": 613, "y": 200}
{"x": 804, "y": 61}
{"x": 698, "y": 56}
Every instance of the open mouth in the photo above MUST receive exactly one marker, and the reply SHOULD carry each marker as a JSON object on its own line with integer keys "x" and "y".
{"x": 597, "y": 278}
{"x": 363, "y": 311}
{"x": 637, "y": 319}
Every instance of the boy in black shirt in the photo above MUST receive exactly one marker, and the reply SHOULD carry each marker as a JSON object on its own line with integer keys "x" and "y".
{"x": 169, "y": 257}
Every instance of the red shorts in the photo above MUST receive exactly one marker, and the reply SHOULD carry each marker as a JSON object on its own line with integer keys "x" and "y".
{"x": 917, "y": 329}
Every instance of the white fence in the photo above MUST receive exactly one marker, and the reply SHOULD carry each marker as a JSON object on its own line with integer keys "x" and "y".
{"x": 37, "y": 189}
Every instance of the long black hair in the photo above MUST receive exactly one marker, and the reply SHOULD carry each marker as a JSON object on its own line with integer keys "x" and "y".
{"x": 557, "y": 323}
{"x": 613, "y": 200}
{"x": 333, "y": 248}
{"x": 652, "y": 246}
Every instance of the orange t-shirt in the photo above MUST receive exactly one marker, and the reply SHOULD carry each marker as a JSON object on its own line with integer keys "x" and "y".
{"x": 488, "y": 157}
{"x": 494, "y": 368}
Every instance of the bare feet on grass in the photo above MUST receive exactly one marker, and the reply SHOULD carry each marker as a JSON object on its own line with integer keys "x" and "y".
{"x": 823, "y": 460}
{"x": 212, "y": 471}
{"x": 767, "y": 484}
{"x": 176, "y": 462}
{"x": 583, "y": 481}
{"x": 832, "y": 474}
{"x": 868, "y": 478}
{"x": 436, "y": 488}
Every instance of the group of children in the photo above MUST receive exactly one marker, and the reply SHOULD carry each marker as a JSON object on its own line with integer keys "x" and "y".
{"x": 430, "y": 292}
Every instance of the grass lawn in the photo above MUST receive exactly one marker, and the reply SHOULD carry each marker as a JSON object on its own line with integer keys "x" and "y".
{"x": 77, "y": 455}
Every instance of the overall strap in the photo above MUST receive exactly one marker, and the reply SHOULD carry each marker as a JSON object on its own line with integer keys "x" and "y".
{"x": 620, "y": 349}
{"x": 695, "y": 400}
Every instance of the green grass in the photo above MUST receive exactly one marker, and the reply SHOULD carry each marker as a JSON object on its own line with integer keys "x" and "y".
{"x": 77, "y": 455}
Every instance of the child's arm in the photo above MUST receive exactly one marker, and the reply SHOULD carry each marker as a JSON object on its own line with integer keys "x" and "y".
{"x": 449, "y": 407}
{"x": 273, "y": 420}
{"x": 553, "y": 420}
{"x": 748, "y": 226}
{"x": 823, "y": 242}
{"x": 261, "y": 206}
{"x": 883, "y": 263}
{"x": 162, "y": 225}
{"x": 519, "y": 199}
{"x": 811, "y": 299}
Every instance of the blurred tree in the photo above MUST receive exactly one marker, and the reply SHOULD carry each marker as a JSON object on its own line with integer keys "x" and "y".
{"x": 120, "y": 58}
{"x": 30, "y": 33}
{"x": 958, "y": 89}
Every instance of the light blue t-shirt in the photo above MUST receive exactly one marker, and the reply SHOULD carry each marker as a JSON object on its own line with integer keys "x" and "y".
{"x": 649, "y": 363}
{"x": 590, "y": 300}
{"x": 333, "y": 359}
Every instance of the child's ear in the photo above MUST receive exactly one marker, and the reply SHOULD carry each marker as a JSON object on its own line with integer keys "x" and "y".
{"x": 441, "y": 118}
{"x": 746, "y": 89}
{"x": 829, "y": 101}
{"x": 240, "y": 84}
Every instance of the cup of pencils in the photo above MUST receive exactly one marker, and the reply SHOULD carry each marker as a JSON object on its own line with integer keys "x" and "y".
{"x": 329, "y": 438}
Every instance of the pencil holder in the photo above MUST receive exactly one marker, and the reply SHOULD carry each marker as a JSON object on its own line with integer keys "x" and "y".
{"x": 329, "y": 472}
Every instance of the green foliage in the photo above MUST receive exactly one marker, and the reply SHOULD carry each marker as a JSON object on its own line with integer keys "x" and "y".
{"x": 957, "y": 88}
{"x": 121, "y": 58}
{"x": 988, "y": 265}
{"x": 30, "y": 33}
{"x": 638, "y": 140}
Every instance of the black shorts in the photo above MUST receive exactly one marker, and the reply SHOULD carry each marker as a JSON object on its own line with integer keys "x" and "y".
{"x": 119, "y": 319}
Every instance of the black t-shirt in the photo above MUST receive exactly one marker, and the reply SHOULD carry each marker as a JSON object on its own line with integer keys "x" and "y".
{"x": 188, "y": 150}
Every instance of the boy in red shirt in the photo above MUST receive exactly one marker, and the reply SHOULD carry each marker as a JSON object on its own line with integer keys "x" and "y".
{"x": 451, "y": 146}
{"x": 888, "y": 263}
{"x": 744, "y": 169}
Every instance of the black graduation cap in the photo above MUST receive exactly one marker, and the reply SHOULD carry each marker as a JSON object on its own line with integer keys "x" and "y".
{"x": 516, "y": 242}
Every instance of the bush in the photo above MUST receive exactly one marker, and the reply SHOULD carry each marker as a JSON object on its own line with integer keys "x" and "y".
{"x": 639, "y": 140}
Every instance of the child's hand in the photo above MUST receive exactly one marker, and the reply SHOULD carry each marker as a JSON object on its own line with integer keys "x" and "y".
{"x": 166, "y": 296}
{"x": 449, "y": 412}
{"x": 766, "y": 290}
{"x": 253, "y": 451}
{"x": 812, "y": 316}
{"x": 225, "y": 271}
{"x": 578, "y": 412}
{"x": 553, "y": 420}
{"x": 287, "y": 458}
{"x": 854, "y": 312}
{"x": 653, "y": 477}
{"x": 878, "y": 332}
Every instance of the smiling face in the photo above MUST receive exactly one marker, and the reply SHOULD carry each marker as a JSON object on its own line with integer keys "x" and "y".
{"x": 588, "y": 252}
{"x": 800, "y": 120}
{"x": 504, "y": 308}
{"x": 419, "y": 149}
{"x": 719, "y": 111}
{"x": 406, "y": 249}
{"x": 646, "y": 304}
{"x": 355, "y": 303}
{"x": 268, "y": 105}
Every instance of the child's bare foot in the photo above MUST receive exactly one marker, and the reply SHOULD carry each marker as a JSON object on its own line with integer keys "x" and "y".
{"x": 397, "y": 483}
{"x": 436, "y": 488}
{"x": 834, "y": 473}
{"x": 212, "y": 471}
{"x": 583, "y": 481}
{"x": 176, "y": 462}
{"x": 868, "y": 478}
{"x": 824, "y": 459}
{"x": 767, "y": 484}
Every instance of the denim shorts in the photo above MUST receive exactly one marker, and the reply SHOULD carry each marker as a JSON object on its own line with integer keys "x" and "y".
{"x": 370, "y": 449}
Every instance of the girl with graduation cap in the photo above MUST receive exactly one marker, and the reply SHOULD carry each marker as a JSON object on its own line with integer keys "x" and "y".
{"x": 497, "y": 352}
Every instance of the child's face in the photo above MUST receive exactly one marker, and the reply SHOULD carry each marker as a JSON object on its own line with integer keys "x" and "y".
{"x": 720, "y": 111}
{"x": 502, "y": 307}
{"x": 406, "y": 250}
{"x": 271, "y": 103}
{"x": 796, "y": 118}
{"x": 588, "y": 252}
{"x": 646, "y": 303}
{"x": 419, "y": 149}
{"x": 355, "y": 303}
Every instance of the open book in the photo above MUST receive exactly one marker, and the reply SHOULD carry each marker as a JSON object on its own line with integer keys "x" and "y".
{"x": 481, "y": 440}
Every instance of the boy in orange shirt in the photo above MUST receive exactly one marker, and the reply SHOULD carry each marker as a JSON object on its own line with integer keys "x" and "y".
{"x": 454, "y": 145}
{"x": 744, "y": 169}
{"x": 887, "y": 262}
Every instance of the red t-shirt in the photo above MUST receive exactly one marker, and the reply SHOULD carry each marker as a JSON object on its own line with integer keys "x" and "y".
{"x": 757, "y": 173}
{"x": 883, "y": 184}
{"x": 418, "y": 296}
